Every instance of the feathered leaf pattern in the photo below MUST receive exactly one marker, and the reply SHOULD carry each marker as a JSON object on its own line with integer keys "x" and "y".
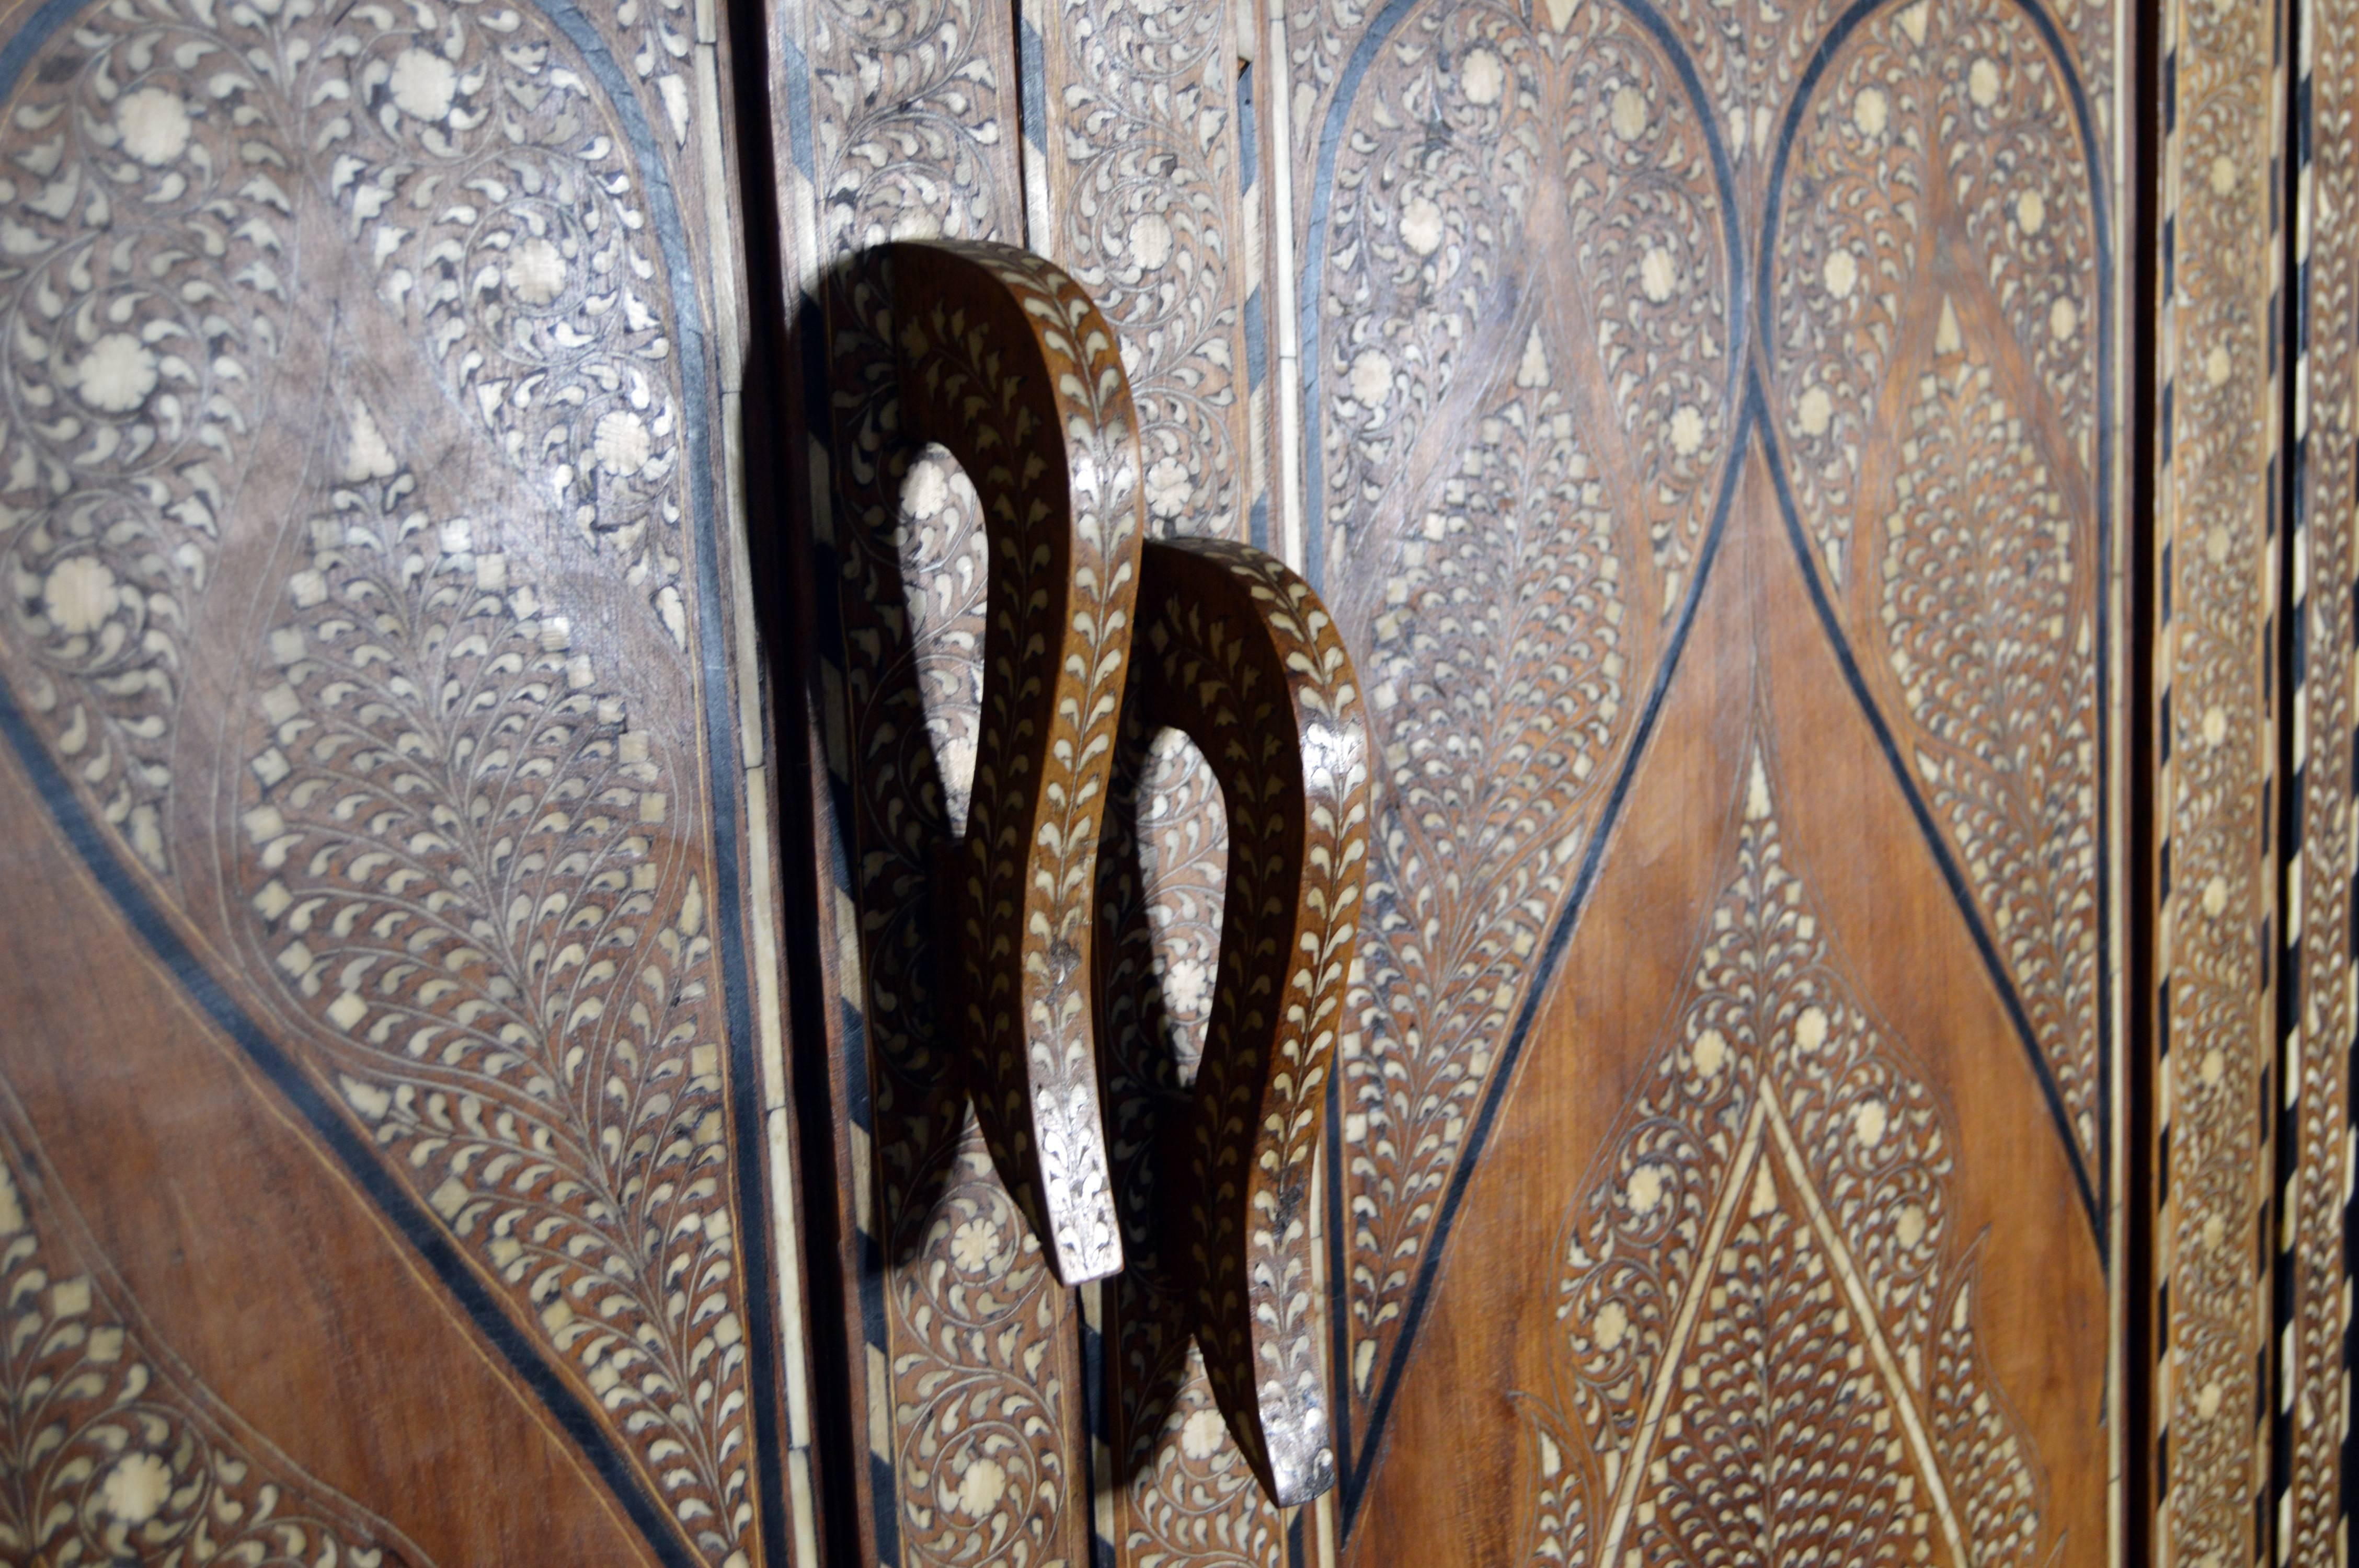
{"x": 463, "y": 880}
{"x": 1765, "y": 1316}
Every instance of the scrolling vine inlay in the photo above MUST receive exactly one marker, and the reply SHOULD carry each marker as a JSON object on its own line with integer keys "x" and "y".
{"x": 2216, "y": 535}
{"x": 457, "y": 878}
{"x": 115, "y": 1451}
{"x": 1936, "y": 322}
{"x": 1546, "y": 224}
{"x": 1523, "y": 423}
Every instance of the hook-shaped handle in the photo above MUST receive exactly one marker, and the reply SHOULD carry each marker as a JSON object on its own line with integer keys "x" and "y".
{"x": 1003, "y": 360}
{"x": 1237, "y": 651}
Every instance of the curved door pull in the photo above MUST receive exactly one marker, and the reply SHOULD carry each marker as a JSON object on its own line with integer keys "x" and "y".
{"x": 1003, "y": 360}
{"x": 1238, "y": 653}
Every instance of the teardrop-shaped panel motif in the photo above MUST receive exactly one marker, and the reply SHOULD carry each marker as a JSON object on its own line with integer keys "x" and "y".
{"x": 358, "y": 510}
{"x": 1935, "y": 337}
{"x": 1525, "y": 400}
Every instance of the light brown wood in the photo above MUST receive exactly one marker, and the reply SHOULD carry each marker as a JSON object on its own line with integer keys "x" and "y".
{"x": 1511, "y": 781}
{"x": 393, "y": 994}
{"x": 1676, "y": 419}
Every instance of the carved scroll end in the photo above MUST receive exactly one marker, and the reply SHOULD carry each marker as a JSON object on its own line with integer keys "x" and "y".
{"x": 1297, "y": 1462}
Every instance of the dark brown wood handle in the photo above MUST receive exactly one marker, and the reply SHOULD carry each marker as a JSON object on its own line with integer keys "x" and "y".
{"x": 1003, "y": 360}
{"x": 1237, "y": 651}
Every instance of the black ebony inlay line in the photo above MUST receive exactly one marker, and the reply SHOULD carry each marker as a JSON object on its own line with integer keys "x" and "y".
{"x": 158, "y": 931}
{"x": 1356, "y": 1461}
{"x": 2096, "y": 1191}
{"x": 1960, "y": 893}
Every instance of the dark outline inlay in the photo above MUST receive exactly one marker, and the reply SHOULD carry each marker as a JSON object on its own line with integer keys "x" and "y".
{"x": 1356, "y": 1463}
{"x": 1314, "y": 255}
{"x": 1356, "y": 1476}
{"x": 722, "y": 762}
{"x": 1953, "y": 878}
{"x": 2096, "y": 1193}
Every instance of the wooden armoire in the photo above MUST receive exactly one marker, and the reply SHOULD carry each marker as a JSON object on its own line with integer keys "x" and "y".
{"x": 1178, "y": 784}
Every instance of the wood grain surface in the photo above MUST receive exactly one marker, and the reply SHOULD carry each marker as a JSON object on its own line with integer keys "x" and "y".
{"x": 1669, "y": 403}
{"x": 383, "y": 1098}
{"x": 1530, "y": 781}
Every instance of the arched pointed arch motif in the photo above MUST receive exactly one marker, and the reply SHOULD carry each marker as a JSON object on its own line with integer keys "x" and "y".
{"x": 1524, "y": 430}
{"x": 1961, "y": 404}
{"x": 1921, "y": 292}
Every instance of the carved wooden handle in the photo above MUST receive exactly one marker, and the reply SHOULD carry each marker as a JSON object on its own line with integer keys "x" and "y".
{"x": 1003, "y": 360}
{"x": 1237, "y": 651}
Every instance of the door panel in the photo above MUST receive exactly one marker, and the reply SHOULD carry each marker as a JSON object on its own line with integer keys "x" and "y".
{"x": 1836, "y": 321}
{"x": 399, "y": 1035}
{"x": 1707, "y": 428}
{"x": 1841, "y": 514}
{"x": 1745, "y": 1131}
{"x": 2216, "y": 520}
{"x": 985, "y": 1384}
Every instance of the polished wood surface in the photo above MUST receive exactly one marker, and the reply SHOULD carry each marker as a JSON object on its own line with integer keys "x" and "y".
{"x": 1710, "y": 434}
{"x": 1763, "y": 1085}
{"x": 1002, "y": 360}
{"x": 393, "y": 985}
{"x": 1177, "y": 785}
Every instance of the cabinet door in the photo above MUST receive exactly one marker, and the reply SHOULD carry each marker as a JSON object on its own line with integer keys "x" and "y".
{"x": 1718, "y": 471}
{"x": 1842, "y": 514}
{"x": 389, "y": 964}
{"x": 1715, "y": 429}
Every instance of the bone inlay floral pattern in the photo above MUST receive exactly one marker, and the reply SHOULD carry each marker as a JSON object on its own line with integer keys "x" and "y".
{"x": 1767, "y": 1324}
{"x": 1178, "y": 784}
{"x": 2216, "y": 527}
{"x": 456, "y": 883}
{"x": 1552, "y": 316}
{"x": 364, "y": 523}
{"x": 116, "y": 1453}
{"x": 1603, "y": 258}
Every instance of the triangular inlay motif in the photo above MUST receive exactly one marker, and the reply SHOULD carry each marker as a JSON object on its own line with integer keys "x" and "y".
{"x": 1767, "y": 1349}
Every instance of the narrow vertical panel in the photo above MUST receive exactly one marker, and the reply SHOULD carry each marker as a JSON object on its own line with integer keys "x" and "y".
{"x": 2312, "y": 1414}
{"x": 1132, "y": 173}
{"x": 1108, "y": 139}
{"x": 2216, "y": 570}
{"x": 1139, "y": 130}
{"x": 963, "y": 1383}
{"x": 1590, "y": 295}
